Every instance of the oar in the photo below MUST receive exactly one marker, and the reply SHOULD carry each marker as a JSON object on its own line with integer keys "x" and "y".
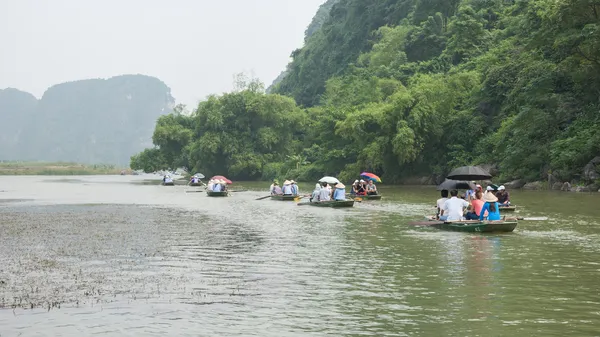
{"x": 541, "y": 218}
{"x": 261, "y": 198}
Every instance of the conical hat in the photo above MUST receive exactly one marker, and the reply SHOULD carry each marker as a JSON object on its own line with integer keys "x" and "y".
{"x": 287, "y": 182}
{"x": 489, "y": 197}
{"x": 340, "y": 185}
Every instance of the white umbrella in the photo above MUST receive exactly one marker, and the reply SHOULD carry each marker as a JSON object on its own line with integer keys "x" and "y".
{"x": 329, "y": 180}
{"x": 199, "y": 175}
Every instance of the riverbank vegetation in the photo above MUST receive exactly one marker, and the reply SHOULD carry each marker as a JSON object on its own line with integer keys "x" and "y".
{"x": 57, "y": 169}
{"x": 410, "y": 88}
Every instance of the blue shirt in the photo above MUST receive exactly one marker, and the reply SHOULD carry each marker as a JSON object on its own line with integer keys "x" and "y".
{"x": 295, "y": 189}
{"x": 339, "y": 194}
{"x": 217, "y": 188}
{"x": 491, "y": 215}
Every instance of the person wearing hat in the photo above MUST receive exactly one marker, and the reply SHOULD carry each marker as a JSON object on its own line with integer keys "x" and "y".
{"x": 315, "y": 194}
{"x": 211, "y": 185}
{"x": 362, "y": 188}
{"x": 287, "y": 188}
{"x": 294, "y": 188}
{"x": 340, "y": 192}
{"x": 490, "y": 206}
{"x": 275, "y": 182}
{"x": 276, "y": 190}
{"x": 354, "y": 190}
{"x": 503, "y": 197}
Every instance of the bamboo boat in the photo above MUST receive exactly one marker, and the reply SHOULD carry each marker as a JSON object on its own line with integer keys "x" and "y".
{"x": 332, "y": 203}
{"x": 364, "y": 197}
{"x": 507, "y": 209}
{"x": 284, "y": 197}
{"x": 216, "y": 194}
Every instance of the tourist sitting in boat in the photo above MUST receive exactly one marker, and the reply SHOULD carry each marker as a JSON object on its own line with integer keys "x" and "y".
{"x": 476, "y": 206}
{"x": 194, "y": 180}
{"x": 324, "y": 193}
{"x": 315, "y": 194}
{"x": 354, "y": 187}
{"x": 362, "y": 188}
{"x": 454, "y": 207}
{"x": 287, "y": 188}
{"x": 276, "y": 189}
{"x": 440, "y": 206}
{"x": 217, "y": 186}
{"x": 294, "y": 188}
{"x": 340, "y": 192}
{"x": 168, "y": 180}
{"x": 371, "y": 188}
{"x": 490, "y": 206}
{"x": 211, "y": 184}
{"x": 503, "y": 197}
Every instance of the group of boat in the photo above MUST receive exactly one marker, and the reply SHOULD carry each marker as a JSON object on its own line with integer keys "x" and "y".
{"x": 363, "y": 189}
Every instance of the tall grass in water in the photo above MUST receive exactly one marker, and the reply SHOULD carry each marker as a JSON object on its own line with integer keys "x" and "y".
{"x": 44, "y": 168}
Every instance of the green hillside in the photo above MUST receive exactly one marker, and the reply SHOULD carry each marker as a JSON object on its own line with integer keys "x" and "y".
{"x": 414, "y": 87}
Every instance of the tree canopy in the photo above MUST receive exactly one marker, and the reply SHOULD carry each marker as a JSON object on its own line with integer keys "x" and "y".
{"x": 416, "y": 87}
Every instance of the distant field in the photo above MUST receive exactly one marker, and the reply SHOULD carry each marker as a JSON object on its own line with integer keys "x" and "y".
{"x": 56, "y": 169}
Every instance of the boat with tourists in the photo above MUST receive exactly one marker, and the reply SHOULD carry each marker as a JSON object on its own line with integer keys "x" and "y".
{"x": 216, "y": 194}
{"x": 500, "y": 226}
{"x": 364, "y": 197}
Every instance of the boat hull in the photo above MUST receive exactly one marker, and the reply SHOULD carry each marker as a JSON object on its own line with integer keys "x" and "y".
{"x": 195, "y": 184}
{"x": 284, "y": 197}
{"x": 168, "y": 184}
{"x": 216, "y": 194}
{"x": 332, "y": 204}
{"x": 501, "y": 226}
{"x": 507, "y": 209}
{"x": 364, "y": 197}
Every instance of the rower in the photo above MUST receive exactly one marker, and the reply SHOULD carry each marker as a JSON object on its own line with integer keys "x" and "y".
{"x": 503, "y": 197}
{"x": 295, "y": 190}
{"x": 354, "y": 190}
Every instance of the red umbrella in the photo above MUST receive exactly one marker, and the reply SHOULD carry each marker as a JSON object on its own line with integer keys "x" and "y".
{"x": 222, "y": 178}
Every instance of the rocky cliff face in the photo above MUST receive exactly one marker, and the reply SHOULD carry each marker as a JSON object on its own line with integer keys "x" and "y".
{"x": 88, "y": 121}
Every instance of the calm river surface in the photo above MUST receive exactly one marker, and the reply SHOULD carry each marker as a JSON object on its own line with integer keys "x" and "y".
{"x": 110, "y": 255}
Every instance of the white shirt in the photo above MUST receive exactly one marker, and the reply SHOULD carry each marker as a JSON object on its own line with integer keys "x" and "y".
{"x": 440, "y": 203}
{"x": 453, "y": 207}
{"x": 324, "y": 195}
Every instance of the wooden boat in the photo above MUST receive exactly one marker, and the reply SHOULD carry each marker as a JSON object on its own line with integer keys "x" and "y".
{"x": 364, "y": 197}
{"x": 284, "y": 197}
{"x": 507, "y": 225}
{"x": 168, "y": 184}
{"x": 507, "y": 209}
{"x": 333, "y": 203}
{"x": 195, "y": 184}
{"x": 216, "y": 194}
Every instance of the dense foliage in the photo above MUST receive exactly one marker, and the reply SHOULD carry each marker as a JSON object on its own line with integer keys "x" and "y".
{"x": 415, "y": 87}
{"x": 88, "y": 121}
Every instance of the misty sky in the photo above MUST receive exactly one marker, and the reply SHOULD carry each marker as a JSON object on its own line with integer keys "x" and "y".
{"x": 194, "y": 46}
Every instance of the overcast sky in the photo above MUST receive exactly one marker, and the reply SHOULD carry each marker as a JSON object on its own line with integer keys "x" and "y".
{"x": 194, "y": 46}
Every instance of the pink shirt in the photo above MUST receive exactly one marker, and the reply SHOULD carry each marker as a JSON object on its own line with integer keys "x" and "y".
{"x": 477, "y": 205}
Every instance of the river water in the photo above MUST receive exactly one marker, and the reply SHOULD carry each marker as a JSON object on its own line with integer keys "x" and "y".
{"x": 112, "y": 255}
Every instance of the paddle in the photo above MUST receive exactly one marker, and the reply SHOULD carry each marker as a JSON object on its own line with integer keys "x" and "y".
{"x": 541, "y": 218}
{"x": 261, "y": 198}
